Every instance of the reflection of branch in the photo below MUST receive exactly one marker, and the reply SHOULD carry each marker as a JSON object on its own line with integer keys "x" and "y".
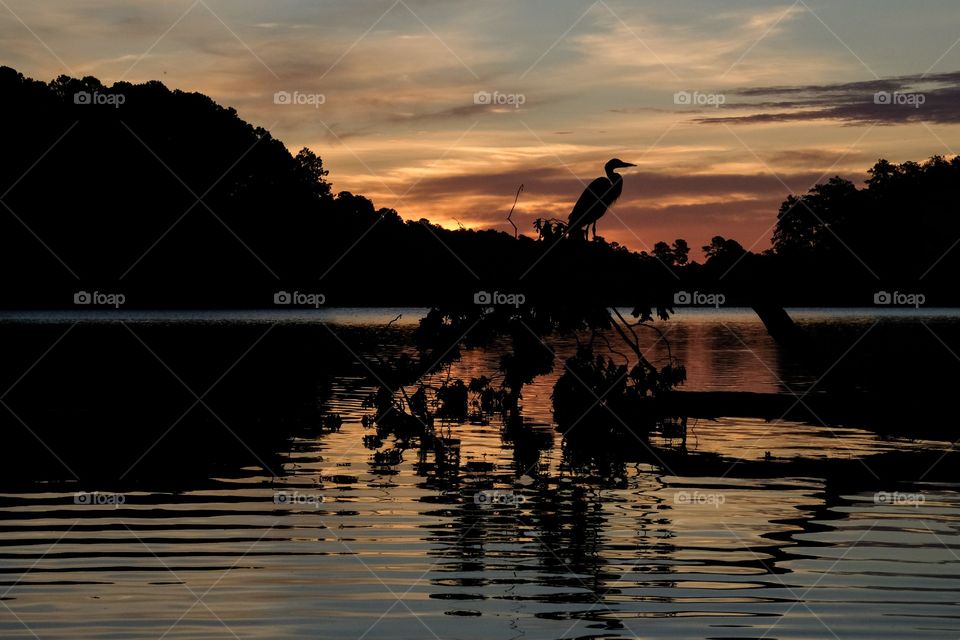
{"x": 516, "y": 229}
{"x": 428, "y": 424}
{"x": 399, "y": 315}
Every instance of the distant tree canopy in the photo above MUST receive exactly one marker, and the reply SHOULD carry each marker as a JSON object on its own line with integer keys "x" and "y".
{"x": 312, "y": 173}
{"x": 675, "y": 255}
{"x": 898, "y": 225}
{"x": 174, "y": 200}
{"x": 95, "y": 176}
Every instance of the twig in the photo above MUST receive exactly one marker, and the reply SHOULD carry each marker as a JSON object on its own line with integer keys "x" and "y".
{"x": 614, "y": 351}
{"x": 516, "y": 229}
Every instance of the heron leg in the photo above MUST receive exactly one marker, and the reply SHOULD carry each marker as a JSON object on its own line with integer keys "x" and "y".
{"x": 594, "y": 231}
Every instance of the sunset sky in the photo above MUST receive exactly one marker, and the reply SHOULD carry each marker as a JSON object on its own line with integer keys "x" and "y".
{"x": 400, "y": 123}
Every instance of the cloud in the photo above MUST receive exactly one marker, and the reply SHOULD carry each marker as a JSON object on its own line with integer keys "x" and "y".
{"x": 900, "y": 100}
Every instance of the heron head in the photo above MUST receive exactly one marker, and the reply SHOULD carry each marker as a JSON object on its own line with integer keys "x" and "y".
{"x": 617, "y": 163}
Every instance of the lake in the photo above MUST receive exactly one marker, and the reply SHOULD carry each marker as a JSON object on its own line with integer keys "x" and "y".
{"x": 342, "y": 533}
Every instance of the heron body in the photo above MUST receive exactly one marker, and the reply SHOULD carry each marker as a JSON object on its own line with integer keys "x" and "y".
{"x": 597, "y": 198}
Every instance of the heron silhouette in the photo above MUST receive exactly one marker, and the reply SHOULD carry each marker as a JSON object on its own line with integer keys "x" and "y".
{"x": 597, "y": 198}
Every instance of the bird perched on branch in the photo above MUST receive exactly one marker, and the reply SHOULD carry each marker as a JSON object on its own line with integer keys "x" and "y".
{"x": 596, "y": 199}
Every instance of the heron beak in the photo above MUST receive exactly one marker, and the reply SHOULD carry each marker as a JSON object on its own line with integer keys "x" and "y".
{"x": 627, "y": 164}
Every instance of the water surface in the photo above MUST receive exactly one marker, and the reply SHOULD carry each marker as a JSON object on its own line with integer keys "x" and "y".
{"x": 356, "y": 538}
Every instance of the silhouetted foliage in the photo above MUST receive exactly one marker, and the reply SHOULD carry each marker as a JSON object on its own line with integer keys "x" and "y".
{"x": 898, "y": 230}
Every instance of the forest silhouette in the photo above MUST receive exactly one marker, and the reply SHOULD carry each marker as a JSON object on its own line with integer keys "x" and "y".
{"x": 175, "y": 201}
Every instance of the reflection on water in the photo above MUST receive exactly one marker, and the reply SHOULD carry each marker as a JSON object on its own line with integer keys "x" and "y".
{"x": 365, "y": 535}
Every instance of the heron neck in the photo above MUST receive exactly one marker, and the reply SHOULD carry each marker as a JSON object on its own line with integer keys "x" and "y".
{"x": 613, "y": 176}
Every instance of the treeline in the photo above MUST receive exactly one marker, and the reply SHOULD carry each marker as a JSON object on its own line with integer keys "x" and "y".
{"x": 840, "y": 244}
{"x": 174, "y": 201}
{"x": 900, "y": 230}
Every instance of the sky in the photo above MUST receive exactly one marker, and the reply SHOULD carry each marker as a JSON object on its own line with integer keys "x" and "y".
{"x": 441, "y": 109}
